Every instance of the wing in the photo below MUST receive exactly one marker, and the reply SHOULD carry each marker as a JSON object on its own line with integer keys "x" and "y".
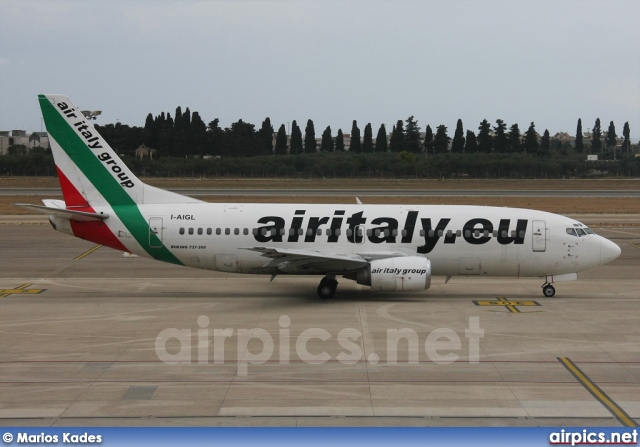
{"x": 300, "y": 261}
{"x": 291, "y": 260}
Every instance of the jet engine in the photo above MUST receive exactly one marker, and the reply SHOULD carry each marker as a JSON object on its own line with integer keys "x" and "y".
{"x": 402, "y": 274}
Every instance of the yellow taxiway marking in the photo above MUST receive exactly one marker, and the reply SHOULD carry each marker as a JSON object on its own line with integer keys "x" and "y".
{"x": 87, "y": 253}
{"x": 20, "y": 290}
{"x": 596, "y": 392}
{"x": 635, "y": 245}
{"x": 509, "y": 304}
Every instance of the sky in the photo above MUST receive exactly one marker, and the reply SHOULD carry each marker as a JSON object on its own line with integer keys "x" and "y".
{"x": 544, "y": 61}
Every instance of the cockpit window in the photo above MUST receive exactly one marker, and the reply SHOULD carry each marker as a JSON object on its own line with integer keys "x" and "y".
{"x": 588, "y": 230}
{"x": 571, "y": 231}
{"x": 580, "y": 232}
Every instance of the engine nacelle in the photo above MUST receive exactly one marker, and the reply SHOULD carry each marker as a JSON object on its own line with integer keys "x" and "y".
{"x": 403, "y": 274}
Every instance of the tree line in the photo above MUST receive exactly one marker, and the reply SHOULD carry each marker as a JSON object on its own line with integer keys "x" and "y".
{"x": 186, "y": 146}
{"x": 352, "y": 165}
{"x": 185, "y": 134}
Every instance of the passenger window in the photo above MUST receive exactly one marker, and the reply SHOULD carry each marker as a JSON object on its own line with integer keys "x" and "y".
{"x": 319, "y": 232}
{"x": 422, "y": 233}
{"x": 254, "y": 231}
{"x": 337, "y": 232}
{"x": 181, "y": 231}
{"x": 199, "y": 230}
{"x": 349, "y": 232}
{"x": 571, "y": 231}
{"x": 209, "y": 231}
{"x": 521, "y": 234}
{"x": 236, "y": 231}
{"x": 458, "y": 233}
{"x": 245, "y": 231}
{"x": 227, "y": 231}
{"x": 190, "y": 230}
{"x": 218, "y": 231}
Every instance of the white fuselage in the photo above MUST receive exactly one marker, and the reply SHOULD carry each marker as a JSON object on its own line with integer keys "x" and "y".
{"x": 458, "y": 240}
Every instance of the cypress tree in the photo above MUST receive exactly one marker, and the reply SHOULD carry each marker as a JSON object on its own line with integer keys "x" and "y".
{"x": 266, "y": 137}
{"x": 199, "y": 134}
{"x": 611, "y": 135}
{"x": 215, "y": 138}
{"x": 367, "y": 140}
{"x": 457, "y": 144}
{"x": 355, "y": 138}
{"x": 296, "y": 138}
{"x": 531, "y": 139}
{"x": 596, "y": 137}
{"x": 579, "y": 142}
{"x": 611, "y": 139}
{"x": 626, "y": 133}
{"x": 340, "y": 141}
{"x": 381, "y": 139}
{"x": 150, "y": 133}
{"x": 515, "y": 138}
{"x": 412, "y": 135}
{"x": 327, "y": 141}
{"x": 471, "y": 144}
{"x": 281, "y": 141}
{"x": 396, "y": 144}
{"x": 485, "y": 140}
{"x": 428, "y": 140}
{"x": 545, "y": 141}
{"x": 500, "y": 140}
{"x": 309, "y": 137}
{"x": 441, "y": 140}
{"x": 177, "y": 147}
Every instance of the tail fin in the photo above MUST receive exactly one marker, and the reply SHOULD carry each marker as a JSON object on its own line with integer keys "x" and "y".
{"x": 90, "y": 172}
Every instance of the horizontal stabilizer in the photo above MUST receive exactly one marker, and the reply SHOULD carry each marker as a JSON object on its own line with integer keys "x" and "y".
{"x": 79, "y": 216}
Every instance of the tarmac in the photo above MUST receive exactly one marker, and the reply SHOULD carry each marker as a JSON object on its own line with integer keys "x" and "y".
{"x": 108, "y": 340}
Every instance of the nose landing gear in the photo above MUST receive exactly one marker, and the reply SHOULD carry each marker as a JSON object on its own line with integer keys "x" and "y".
{"x": 548, "y": 290}
{"x": 327, "y": 287}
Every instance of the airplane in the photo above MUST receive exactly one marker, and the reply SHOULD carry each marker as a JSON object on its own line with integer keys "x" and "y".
{"x": 387, "y": 247}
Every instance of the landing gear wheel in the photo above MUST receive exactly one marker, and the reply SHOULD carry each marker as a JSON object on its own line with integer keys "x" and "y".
{"x": 327, "y": 288}
{"x": 548, "y": 290}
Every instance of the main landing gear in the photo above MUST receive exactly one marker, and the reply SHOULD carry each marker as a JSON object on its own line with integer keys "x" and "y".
{"x": 548, "y": 290}
{"x": 327, "y": 287}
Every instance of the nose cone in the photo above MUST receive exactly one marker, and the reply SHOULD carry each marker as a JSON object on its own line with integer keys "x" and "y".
{"x": 608, "y": 251}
